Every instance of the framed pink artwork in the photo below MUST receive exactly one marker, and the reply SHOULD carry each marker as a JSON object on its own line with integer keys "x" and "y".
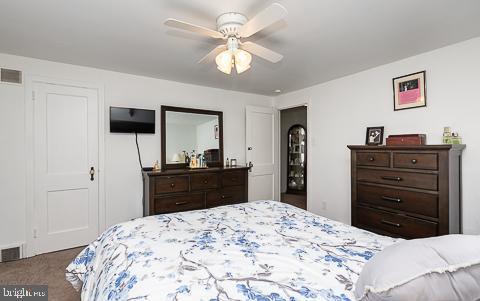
{"x": 409, "y": 91}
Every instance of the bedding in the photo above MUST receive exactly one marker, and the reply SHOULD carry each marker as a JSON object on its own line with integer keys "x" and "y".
{"x": 444, "y": 268}
{"x": 264, "y": 250}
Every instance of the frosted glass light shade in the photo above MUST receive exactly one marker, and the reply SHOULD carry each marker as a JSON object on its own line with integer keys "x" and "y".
{"x": 176, "y": 158}
{"x": 241, "y": 68}
{"x": 242, "y": 57}
{"x": 224, "y": 61}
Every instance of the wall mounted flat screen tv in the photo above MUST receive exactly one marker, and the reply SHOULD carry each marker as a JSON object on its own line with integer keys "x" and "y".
{"x": 131, "y": 120}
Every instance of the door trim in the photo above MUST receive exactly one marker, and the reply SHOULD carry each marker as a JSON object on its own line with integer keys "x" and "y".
{"x": 278, "y": 147}
{"x": 30, "y": 223}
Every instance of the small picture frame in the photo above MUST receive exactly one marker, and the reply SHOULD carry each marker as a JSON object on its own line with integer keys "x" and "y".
{"x": 217, "y": 131}
{"x": 233, "y": 162}
{"x": 374, "y": 135}
{"x": 409, "y": 91}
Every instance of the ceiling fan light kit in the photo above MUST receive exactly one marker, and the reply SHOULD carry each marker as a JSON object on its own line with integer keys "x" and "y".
{"x": 233, "y": 27}
{"x": 233, "y": 57}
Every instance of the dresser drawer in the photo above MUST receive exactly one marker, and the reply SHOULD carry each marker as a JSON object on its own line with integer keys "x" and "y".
{"x": 373, "y": 159}
{"x": 396, "y": 224}
{"x": 179, "y": 203}
{"x": 204, "y": 181}
{"x": 409, "y": 201}
{"x": 415, "y": 161}
{"x": 398, "y": 178}
{"x": 233, "y": 178}
{"x": 171, "y": 184}
{"x": 226, "y": 196}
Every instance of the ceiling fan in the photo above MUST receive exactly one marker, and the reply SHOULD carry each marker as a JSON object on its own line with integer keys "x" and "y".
{"x": 233, "y": 27}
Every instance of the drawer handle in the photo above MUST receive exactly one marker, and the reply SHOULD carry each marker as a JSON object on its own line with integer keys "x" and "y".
{"x": 205, "y": 182}
{"x": 390, "y": 199}
{"x": 226, "y": 197}
{"x": 172, "y": 185}
{"x": 371, "y": 159}
{"x": 181, "y": 203}
{"x": 223, "y": 197}
{"x": 391, "y": 223}
{"x": 398, "y": 179}
{"x": 414, "y": 161}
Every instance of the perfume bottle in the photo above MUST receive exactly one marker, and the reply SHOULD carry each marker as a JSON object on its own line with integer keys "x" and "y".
{"x": 193, "y": 160}
{"x": 227, "y": 163}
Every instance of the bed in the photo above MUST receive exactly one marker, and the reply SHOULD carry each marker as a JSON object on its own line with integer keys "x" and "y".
{"x": 263, "y": 250}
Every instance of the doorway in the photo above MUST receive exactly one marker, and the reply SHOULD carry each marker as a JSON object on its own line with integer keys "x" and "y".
{"x": 293, "y": 156}
{"x": 65, "y": 123}
{"x": 260, "y": 153}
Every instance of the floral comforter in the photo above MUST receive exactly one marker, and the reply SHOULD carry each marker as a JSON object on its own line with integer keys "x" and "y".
{"x": 262, "y": 250}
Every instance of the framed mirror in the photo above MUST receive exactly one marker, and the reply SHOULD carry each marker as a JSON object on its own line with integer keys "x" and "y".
{"x": 185, "y": 131}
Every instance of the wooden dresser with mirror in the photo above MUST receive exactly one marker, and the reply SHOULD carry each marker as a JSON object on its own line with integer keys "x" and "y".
{"x": 176, "y": 187}
{"x": 407, "y": 191}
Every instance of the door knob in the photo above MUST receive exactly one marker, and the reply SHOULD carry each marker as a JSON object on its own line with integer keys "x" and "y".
{"x": 92, "y": 173}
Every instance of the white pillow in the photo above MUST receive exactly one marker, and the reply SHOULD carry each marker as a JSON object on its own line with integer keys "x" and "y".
{"x": 445, "y": 268}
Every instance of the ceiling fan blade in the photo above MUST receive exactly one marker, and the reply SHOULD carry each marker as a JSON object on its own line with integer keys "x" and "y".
{"x": 262, "y": 52}
{"x": 193, "y": 28}
{"x": 212, "y": 54}
{"x": 265, "y": 18}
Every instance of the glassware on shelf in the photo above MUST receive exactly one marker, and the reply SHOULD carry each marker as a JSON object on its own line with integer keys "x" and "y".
{"x": 296, "y": 167}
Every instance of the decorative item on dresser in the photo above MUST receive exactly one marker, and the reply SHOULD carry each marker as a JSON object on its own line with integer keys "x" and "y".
{"x": 407, "y": 191}
{"x": 183, "y": 189}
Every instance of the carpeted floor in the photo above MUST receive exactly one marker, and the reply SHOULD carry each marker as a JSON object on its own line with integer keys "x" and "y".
{"x": 47, "y": 269}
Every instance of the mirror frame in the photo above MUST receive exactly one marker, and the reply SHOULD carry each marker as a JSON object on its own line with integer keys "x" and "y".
{"x": 163, "y": 112}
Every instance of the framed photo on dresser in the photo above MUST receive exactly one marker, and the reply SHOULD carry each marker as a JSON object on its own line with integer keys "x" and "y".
{"x": 374, "y": 135}
{"x": 409, "y": 91}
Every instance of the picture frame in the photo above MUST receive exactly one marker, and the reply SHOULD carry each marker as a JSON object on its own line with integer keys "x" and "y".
{"x": 374, "y": 135}
{"x": 409, "y": 91}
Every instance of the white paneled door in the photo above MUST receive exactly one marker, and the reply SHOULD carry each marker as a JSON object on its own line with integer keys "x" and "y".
{"x": 66, "y": 142}
{"x": 260, "y": 152}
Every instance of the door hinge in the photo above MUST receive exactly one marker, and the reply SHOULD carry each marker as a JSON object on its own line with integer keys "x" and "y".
{"x": 34, "y": 233}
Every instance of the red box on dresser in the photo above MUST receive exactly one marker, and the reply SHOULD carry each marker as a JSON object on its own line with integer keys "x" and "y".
{"x": 409, "y": 139}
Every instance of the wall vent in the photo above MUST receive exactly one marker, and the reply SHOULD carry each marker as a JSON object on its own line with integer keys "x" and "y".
{"x": 10, "y": 254}
{"x": 10, "y": 76}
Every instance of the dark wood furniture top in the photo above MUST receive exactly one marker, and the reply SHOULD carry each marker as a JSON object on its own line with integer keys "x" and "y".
{"x": 179, "y": 190}
{"x": 218, "y": 154}
{"x": 407, "y": 191}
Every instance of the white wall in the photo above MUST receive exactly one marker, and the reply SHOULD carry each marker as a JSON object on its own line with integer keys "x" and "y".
{"x": 206, "y": 136}
{"x": 180, "y": 137}
{"x": 340, "y": 110}
{"x": 123, "y": 179}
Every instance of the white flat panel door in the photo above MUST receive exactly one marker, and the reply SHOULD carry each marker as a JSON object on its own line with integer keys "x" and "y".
{"x": 260, "y": 152}
{"x": 66, "y": 148}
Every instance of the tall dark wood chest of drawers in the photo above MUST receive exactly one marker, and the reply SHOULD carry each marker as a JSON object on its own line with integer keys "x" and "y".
{"x": 407, "y": 191}
{"x": 184, "y": 189}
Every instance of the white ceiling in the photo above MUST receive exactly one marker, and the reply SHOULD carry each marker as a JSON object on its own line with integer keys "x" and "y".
{"x": 188, "y": 118}
{"x": 320, "y": 39}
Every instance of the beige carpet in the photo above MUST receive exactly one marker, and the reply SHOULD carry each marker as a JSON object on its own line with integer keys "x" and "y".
{"x": 47, "y": 269}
